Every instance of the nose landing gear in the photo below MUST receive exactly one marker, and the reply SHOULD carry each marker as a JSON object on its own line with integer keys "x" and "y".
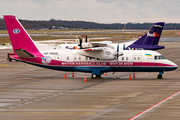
{"x": 160, "y": 75}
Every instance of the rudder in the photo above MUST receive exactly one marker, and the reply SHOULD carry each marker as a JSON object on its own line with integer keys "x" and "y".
{"x": 153, "y": 36}
{"x": 20, "y": 39}
{"x": 150, "y": 40}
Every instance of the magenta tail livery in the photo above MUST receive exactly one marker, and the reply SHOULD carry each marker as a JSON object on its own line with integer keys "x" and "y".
{"x": 96, "y": 60}
{"x": 20, "y": 39}
{"x": 22, "y": 43}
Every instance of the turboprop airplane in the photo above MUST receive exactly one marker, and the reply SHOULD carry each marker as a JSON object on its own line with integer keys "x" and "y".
{"x": 147, "y": 42}
{"x": 97, "y": 60}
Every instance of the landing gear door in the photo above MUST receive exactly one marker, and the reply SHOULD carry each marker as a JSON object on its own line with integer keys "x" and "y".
{"x": 137, "y": 60}
{"x": 58, "y": 59}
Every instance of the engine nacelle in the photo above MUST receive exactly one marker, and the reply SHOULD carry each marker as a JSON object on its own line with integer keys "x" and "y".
{"x": 86, "y": 45}
{"x": 101, "y": 55}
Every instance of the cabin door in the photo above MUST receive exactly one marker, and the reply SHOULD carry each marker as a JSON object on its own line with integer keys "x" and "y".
{"x": 137, "y": 60}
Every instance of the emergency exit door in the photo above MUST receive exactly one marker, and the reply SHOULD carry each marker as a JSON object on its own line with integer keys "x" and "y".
{"x": 137, "y": 60}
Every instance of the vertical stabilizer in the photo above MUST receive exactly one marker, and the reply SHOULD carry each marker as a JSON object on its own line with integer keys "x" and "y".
{"x": 153, "y": 36}
{"x": 20, "y": 39}
{"x": 151, "y": 39}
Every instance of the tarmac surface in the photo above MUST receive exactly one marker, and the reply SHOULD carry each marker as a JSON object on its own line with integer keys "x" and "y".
{"x": 31, "y": 93}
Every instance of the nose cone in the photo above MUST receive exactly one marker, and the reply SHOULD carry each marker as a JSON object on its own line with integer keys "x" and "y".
{"x": 173, "y": 65}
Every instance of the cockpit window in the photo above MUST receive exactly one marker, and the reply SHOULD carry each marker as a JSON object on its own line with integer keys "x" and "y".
{"x": 155, "y": 57}
{"x": 162, "y": 57}
{"x": 159, "y": 57}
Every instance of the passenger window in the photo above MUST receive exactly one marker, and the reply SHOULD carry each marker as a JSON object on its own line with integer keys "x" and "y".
{"x": 67, "y": 57}
{"x": 86, "y": 58}
{"x": 122, "y": 58}
{"x": 79, "y": 58}
{"x": 74, "y": 58}
{"x": 126, "y": 58}
{"x": 138, "y": 58}
{"x": 134, "y": 58}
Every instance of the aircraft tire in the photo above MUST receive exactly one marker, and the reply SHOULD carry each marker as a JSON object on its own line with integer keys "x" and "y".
{"x": 94, "y": 76}
{"x": 159, "y": 76}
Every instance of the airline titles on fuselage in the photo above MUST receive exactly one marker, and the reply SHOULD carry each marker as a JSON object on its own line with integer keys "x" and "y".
{"x": 97, "y": 63}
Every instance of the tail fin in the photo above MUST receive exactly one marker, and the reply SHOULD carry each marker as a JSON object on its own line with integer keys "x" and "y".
{"x": 20, "y": 39}
{"x": 151, "y": 39}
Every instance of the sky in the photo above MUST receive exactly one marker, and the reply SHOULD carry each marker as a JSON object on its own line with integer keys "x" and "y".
{"x": 99, "y": 11}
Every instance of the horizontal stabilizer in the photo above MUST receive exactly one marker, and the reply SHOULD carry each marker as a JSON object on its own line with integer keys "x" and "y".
{"x": 24, "y": 54}
{"x": 145, "y": 47}
{"x": 158, "y": 26}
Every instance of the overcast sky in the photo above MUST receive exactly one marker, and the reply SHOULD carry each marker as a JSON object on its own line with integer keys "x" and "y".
{"x": 101, "y": 11}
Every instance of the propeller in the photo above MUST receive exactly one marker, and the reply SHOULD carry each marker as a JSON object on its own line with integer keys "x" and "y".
{"x": 117, "y": 53}
{"x": 86, "y": 38}
{"x": 124, "y": 47}
{"x": 80, "y": 43}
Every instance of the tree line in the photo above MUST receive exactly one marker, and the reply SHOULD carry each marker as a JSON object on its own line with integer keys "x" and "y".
{"x": 35, "y": 24}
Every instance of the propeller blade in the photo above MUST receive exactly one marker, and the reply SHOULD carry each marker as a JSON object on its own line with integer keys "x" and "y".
{"x": 124, "y": 47}
{"x": 80, "y": 43}
{"x": 86, "y": 38}
{"x": 117, "y": 50}
{"x": 117, "y": 53}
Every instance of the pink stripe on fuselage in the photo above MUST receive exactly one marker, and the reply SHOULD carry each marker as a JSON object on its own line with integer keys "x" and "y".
{"x": 39, "y": 56}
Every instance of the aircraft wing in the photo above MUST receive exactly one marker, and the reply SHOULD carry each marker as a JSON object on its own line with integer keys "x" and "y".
{"x": 100, "y": 53}
{"x": 101, "y": 44}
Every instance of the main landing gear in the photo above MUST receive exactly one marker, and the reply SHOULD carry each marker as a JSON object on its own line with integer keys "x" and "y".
{"x": 96, "y": 76}
{"x": 160, "y": 75}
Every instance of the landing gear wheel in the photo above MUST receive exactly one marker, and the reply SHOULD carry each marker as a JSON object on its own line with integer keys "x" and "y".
{"x": 159, "y": 76}
{"x": 96, "y": 76}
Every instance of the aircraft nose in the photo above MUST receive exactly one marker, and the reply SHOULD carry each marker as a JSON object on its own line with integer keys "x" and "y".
{"x": 174, "y": 66}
